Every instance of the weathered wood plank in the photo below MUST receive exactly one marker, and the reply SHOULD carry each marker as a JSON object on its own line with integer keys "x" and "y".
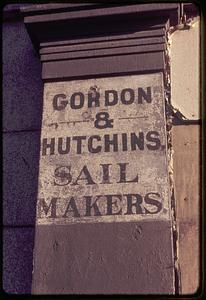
{"x": 186, "y": 161}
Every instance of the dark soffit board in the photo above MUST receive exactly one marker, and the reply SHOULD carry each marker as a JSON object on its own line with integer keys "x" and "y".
{"x": 93, "y": 28}
{"x": 114, "y": 37}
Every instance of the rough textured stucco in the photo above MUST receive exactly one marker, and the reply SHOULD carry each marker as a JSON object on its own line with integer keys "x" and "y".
{"x": 185, "y": 71}
{"x": 105, "y": 258}
{"x": 22, "y": 106}
{"x": 22, "y": 84}
{"x": 17, "y": 260}
{"x": 187, "y": 195}
{"x": 20, "y": 167}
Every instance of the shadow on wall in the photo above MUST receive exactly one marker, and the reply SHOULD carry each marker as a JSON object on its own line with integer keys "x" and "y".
{"x": 22, "y": 105}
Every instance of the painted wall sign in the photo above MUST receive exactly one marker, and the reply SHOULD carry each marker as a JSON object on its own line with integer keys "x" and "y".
{"x": 103, "y": 151}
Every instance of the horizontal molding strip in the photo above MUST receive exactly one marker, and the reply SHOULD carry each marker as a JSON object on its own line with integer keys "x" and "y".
{"x": 133, "y": 35}
{"x": 140, "y": 9}
{"x": 103, "y": 52}
{"x": 132, "y": 63}
{"x": 57, "y": 7}
{"x": 103, "y": 45}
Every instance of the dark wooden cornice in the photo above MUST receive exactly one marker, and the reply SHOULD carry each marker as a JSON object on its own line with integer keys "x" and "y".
{"x": 91, "y": 40}
{"x": 49, "y": 22}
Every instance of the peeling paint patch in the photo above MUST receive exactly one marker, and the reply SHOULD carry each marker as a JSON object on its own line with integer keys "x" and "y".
{"x": 185, "y": 69}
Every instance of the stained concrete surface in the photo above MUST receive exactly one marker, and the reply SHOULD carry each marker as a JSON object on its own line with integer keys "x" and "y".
{"x": 105, "y": 258}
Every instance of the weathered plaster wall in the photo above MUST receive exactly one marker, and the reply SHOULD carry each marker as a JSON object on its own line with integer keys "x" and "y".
{"x": 185, "y": 70}
{"x": 22, "y": 102}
